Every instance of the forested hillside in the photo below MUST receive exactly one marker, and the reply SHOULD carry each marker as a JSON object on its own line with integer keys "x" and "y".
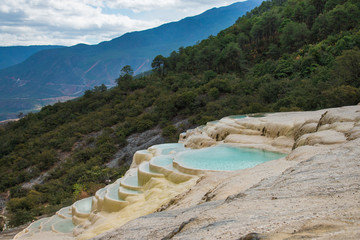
{"x": 282, "y": 56}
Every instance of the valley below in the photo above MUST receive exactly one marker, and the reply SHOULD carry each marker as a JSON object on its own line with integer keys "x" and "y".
{"x": 11, "y": 109}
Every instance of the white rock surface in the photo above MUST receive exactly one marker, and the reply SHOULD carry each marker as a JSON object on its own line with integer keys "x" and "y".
{"x": 312, "y": 194}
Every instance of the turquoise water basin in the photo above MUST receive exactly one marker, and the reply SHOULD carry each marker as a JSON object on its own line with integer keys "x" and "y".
{"x": 167, "y": 145}
{"x": 112, "y": 191}
{"x": 84, "y": 205}
{"x": 237, "y": 116}
{"x": 46, "y": 226}
{"x": 101, "y": 192}
{"x": 167, "y": 148}
{"x": 66, "y": 212}
{"x": 35, "y": 226}
{"x": 130, "y": 191}
{"x": 162, "y": 160}
{"x": 225, "y": 158}
{"x": 64, "y": 226}
{"x": 173, "y": 150}
{"x": 131, "y": 180}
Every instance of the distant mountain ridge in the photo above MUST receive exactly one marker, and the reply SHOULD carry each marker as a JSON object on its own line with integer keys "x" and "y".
{"x": 70, "y": 71}
{"x": 13, "y": 55}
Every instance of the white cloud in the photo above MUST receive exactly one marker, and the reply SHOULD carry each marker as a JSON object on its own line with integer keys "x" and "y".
{"x": 68, "y": 22}
{"x": 141, "y": 5}
{"x": 177, "y": 5}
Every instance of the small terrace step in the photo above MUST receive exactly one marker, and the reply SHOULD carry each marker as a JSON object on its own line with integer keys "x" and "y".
{"x": 81, "y": 210}
{"x": 177, "y": 176}
{"x": 145, "y": 173}
{"x": 112, "y": 202}
{"x": 35, "y": 227}
{"x": 65, "y": 213}
{"x": 99, "y": 198}
{"x": 161, "y": 163}
{"x": 166, "y": 148}
{"x": 100, "y": 194}
{"x": 124, "y": 192}
{"x": 63, "y": 226}
{"x": 141, "y": 156}
{"x": 164, "y": 164}
{"x": 46, "y": 226}
{"x": 131, "y": 182}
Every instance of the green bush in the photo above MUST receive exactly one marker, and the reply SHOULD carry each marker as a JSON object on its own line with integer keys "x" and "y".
{"x": 169, "y": 131}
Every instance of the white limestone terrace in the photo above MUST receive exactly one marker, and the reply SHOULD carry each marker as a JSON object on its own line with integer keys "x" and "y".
{"x": 313, "y": 193}
{"x": 134, "y": 195}
{"x": 155, "y": 182}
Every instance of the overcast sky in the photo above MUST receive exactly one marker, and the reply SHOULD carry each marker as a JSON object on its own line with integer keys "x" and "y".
{"x": 69, "y": 22}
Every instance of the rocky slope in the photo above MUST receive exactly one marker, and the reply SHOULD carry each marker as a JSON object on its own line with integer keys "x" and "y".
{"x": 312, "y": 194}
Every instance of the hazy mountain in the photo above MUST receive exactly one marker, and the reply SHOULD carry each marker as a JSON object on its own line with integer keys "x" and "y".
{"x": 16, "y": 54}
{"x": 69, "y": 71}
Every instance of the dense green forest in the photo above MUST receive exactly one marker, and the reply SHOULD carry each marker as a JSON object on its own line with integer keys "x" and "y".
{"x": 282, "y": 56}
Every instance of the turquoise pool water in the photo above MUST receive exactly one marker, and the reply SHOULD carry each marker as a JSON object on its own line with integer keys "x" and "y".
{"x": 131, "y": 180}
{"x": 225, "y": 158}
{"x": 173, "y": 150}
{"x": 36, "y": 225}
{"x": 101, "y": 192}
{"x": 237, "y": 116}
{"x": 167, "y": 148}
{"x": 112, "y": 191}
{"x": 162, "y": 160}
{"x": 64, "y": 226}
{"x": 46, "y": 226}
{"x": 66, "y": 212}
{"x": 84, "y": 205}
{"x": 167, "y": 145}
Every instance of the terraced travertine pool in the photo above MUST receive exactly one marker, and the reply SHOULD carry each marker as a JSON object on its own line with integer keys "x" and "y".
{"x": 162, "y": 160}
{"x": 237, "y": 116}
{"x": 64, "y": 226}
{"x": 172, "y": 161}
{"x": 168, "y": 148}
{"x": 225, "y": 158}
{"x": 84, "y": 205}
{"x": 113, "y": 191}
